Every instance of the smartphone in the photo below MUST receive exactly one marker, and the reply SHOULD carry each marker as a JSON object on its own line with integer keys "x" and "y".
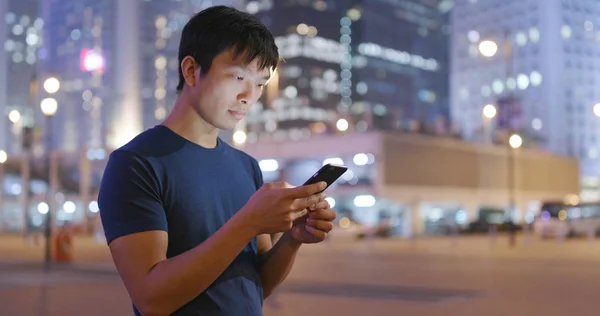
{"x": 328, "y": 173}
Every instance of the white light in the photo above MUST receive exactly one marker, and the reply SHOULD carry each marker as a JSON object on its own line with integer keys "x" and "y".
{"x": 488, "y": 48}
{"x": 511, "y": 83}
{"x": 69, "y": 207}
{"x": 515, "y": 141}
{"x": 93, "y": 207}
{"x": 461, "y": 217}
{"x": 536, "y": 124}
{"x": 489, "y": 111}
{"x": 597, "y": 109}
{"x": 371, "y": 158}
{"x": 3, "y": 156}
{"x": 32, "y": 39}
{"x": 535, "y": 78}
{"x": 333, "y": 161}
{"x": 522, "y": 81}
{"x": 521, "y": 39}
{"x": 360, "y": 159}
{"x": 331, "y": 201}
{"x": 348, "y": 176}
{"x": 268, "y": 165}
{"x": 49, "y": 106}
{"x": 290, "y": 92}
{"x": 473, "y": 36}
{"x": 92, "y": 61}
{"x": 43, "y": 208}
{"x": 302, "y": 29}
{"x": 253, "y": 7}
{"x": 160, "y": 62}
{"x": 14, "y": 116}
{"x": 342, "y": 125}
{"x": 239, "y": 137}
{"x": 498, "y": 86}
{"x": 566, "y": 31}
{"x": 366, "y": 200}
{"x": 534, "y": 34}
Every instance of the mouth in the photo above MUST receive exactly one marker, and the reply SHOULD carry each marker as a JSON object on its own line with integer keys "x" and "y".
{"x": 238, "y": 115}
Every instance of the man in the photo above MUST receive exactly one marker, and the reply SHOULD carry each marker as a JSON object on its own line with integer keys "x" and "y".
{"x": 187, "y": 217}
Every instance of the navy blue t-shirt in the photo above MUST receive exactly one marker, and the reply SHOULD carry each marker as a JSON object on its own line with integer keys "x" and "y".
{"x": 161, "y": 181}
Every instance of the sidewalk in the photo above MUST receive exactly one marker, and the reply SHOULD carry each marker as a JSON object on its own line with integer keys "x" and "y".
{"x": 87, "y": 252}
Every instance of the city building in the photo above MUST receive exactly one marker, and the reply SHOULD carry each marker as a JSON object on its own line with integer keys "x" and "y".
{"x": 113, "y": 68}
{"x": 353, "y": 65}
{"x": 21, "y": 37}
{"x": 536, "y": 64}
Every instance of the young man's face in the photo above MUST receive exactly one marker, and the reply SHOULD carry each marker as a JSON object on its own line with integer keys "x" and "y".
{"x": 224, "y": 95}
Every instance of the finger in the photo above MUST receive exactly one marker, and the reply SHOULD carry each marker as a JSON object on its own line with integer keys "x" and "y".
{"x": 323, "y": 205}
{"x": 308, "y": 201}
{"x": 326, "y": 214}
{"x": 318, "y": 234}
{"x": 278, "y": 185}
{"x": 298, "y": 214}
{"x": 306, "y": 190}
{"x": 321, "y": 225}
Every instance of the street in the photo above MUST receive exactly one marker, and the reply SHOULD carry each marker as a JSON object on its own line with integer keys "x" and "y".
{"x": 466, "y": 276}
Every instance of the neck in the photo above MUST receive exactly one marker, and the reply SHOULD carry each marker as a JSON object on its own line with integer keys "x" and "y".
{"x": 187, "y": 123}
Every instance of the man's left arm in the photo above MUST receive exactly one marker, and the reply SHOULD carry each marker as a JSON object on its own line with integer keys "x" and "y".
{"x": 277, "y": 260}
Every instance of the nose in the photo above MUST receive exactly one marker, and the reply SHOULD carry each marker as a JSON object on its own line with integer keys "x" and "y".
{"x": 248, "y": 96}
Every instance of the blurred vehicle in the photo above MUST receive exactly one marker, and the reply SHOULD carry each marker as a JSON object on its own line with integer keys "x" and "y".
{"x": 569, "y": 220}
{"x": 384, "y": 229}
{"x": 488, "y": 218}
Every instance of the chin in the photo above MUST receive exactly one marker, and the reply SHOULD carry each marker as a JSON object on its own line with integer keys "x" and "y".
{"x": 228, "y": 126}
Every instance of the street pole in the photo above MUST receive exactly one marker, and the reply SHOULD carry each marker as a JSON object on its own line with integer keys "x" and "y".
{"x": 49, "y": 195}
{"x": 512, "y": 196}
{"x": 1, "y": 196}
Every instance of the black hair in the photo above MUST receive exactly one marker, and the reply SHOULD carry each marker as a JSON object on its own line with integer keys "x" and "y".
{"x": 217, "y": 29}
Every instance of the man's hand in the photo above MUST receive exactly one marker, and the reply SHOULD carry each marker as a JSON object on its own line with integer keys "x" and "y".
{"x": 275, "y": 206}
{"x": 314, "y": 227}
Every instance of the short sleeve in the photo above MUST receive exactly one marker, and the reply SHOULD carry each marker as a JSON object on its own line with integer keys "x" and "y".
{"x": 129, "y": 198}
{"x": 258, "y": 177}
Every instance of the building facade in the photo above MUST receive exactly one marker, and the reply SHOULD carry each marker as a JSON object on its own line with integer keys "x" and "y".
{"x": 541, "y": 77}
{"x": 353, "y": 65}
{"x": 21, "y": 37}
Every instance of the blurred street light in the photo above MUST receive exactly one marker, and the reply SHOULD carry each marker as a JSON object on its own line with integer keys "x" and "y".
{"x": 14, "y": 116}
{"x": 488, "y": 48}
{"x": 51, "y": 85}
{"x": 515, "y": 141}
{"x": 49, "y": 106}
{"x": 489, "y": 111}
{"x": 342, "y": 125}
{"x": 3, "y": 156}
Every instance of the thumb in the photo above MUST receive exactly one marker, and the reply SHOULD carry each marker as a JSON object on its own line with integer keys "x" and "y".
{"x": 306, "y": 190}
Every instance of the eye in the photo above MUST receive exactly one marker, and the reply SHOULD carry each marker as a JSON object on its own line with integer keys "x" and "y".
{"x": 240, "y": 78}
{"x": 260, "y": 85}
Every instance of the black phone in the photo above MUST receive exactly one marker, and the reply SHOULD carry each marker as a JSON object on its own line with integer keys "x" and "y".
{"x": 328, "y": 173}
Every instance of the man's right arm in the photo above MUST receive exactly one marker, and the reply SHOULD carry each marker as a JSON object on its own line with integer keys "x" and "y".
{"x": 160, "y": 286}
{"x": 135, "y": 224}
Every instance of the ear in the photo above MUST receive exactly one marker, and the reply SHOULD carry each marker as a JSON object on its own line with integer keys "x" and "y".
{"x": 188, "y": 69}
